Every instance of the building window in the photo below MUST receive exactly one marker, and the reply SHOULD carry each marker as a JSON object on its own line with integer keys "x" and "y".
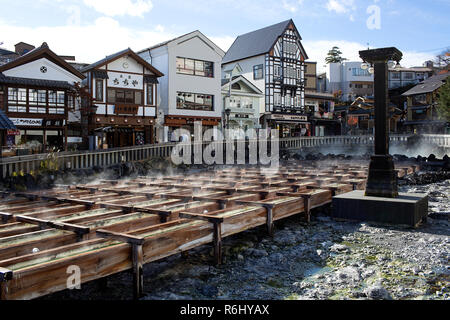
{"x": 195, "y": 101}
{"x": 195, "y": 67}
{"x": 258, "y": 72}
{"x": 277, "y": 71}
{"x": 124, "y": 96}
{"x": 277, "y": 99}
{"x": 358, "y": 72}
{"x": 99, "y": 90}
{"x": 236, "y": 86}
{"x": 51, "y": 98}
{"x": 138, "y": 97}
{"x": 71, "y": 102}
{"x": 409, "y": 75}
{"x": 395, "y": 75}
{"x": 150, "y": 94}
{"x": 12, "y": 94}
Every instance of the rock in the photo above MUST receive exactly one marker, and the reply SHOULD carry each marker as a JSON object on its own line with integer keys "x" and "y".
{"x": 349, "y": 273}
{"x": 339, "y": 248}
{"x": 209, "y": 291}
{"x": 198, "y": 271}
{"x": 377, "y": 292}
{"x": 257, "y": 253}
{"x": 240, "y": 257}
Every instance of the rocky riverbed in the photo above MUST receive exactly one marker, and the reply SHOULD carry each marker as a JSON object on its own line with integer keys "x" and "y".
{"x": 323, "y": 260}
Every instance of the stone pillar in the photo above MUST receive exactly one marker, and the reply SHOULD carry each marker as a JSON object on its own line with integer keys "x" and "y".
{"x": 382, "y": 178}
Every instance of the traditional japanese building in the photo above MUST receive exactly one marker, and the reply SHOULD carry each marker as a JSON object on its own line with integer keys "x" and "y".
{"x": 421, "y": 106}
{"x": 273, "y": 59}
{"x": 38, "y": 93}
{"x": 191, "y": 89}
{"x": 125, "y": 93}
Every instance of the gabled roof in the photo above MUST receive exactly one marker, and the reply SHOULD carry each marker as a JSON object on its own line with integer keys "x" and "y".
{"x": 210, "y": 43}
{"x": 428, "y": 85}
{"x": 117, "y": 55}
{"x": 5, "y": 122}
{"x": 244, "y": 80}
{"x": 257, "y": 42}
{"x": 42, "y": 52}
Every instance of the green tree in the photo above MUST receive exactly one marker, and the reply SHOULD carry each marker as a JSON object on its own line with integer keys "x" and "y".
{"x": 334, "y": 55}
{"x": 443, "y": 106}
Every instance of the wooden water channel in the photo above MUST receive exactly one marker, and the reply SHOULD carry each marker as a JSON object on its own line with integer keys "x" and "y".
{"x": 113, "y": 226}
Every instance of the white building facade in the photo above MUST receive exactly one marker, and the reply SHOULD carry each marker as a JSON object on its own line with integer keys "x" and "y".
{"x": 349, "y": 79}
{"x": 190, "y": 89}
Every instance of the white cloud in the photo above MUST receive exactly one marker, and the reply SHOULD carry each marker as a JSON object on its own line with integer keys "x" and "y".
{"x": 223, "y": 42}
{"x": 292, "y": 6}
{"x": 88, "y": 43}
{"x": 340, "y": 6}
{"x": 135, "y": 8}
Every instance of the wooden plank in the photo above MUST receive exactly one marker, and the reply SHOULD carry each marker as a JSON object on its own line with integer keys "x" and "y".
{"x": 120, "y": 237}
{"x": 138, "y": 273}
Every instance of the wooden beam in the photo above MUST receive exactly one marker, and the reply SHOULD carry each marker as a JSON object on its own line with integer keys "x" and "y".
{"x": 120, "y": 237}
{"x": 138, "y": 274}
{"x": 6, "y": 217}
{"x": 217, "y": 239}
{"x": 307, "y": 206}
{"x": 198, "y": 216}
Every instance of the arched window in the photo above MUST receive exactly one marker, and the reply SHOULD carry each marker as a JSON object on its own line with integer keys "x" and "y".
{"x": 236, "y": 86}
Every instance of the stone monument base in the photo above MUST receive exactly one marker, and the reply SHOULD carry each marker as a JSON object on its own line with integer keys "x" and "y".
{"x": 408, "y": 209}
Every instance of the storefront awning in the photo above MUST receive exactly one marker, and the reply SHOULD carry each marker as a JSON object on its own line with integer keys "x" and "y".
{"x": 5, "y": 122}
{"x": 292, "y": 122}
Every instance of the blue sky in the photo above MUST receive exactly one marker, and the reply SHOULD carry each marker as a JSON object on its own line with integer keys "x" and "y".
{"x": 91, "y": 29}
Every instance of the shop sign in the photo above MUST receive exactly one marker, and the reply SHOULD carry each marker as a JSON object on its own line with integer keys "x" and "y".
{"x": 74, "y": 139}
{"x": 27, "y": 122}
{"x": 13, "y": 132}
{"x": 124, "y": 80}
{"x": 288, "y": 117}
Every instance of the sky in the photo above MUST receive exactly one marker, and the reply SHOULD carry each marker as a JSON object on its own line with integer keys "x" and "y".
{"x": 92, "y": 29}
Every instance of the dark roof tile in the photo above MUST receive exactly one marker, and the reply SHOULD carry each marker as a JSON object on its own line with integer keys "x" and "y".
{"x": 256, "y": 42}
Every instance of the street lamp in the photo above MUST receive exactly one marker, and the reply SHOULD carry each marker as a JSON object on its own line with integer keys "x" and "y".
{"x": 227, "y": 113}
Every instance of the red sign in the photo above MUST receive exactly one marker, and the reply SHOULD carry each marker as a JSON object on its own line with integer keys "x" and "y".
{"x": 13, "y": 132}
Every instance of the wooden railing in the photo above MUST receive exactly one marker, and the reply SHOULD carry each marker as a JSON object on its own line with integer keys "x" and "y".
{"x": 109, "y": 157}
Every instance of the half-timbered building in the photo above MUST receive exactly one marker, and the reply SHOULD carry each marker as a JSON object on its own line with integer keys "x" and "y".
{"x": 124, "y": 89}
{"x": 38, "y": 93}
{"x": 273, "y": 58}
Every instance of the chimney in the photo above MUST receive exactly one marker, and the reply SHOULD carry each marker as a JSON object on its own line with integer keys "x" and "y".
{"x": 23, "y": 48}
